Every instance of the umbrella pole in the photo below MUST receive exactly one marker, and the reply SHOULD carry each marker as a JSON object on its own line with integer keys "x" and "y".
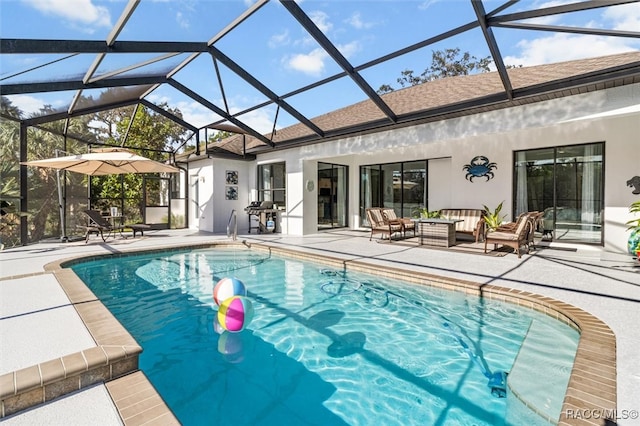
{"x": 63, "y": 225}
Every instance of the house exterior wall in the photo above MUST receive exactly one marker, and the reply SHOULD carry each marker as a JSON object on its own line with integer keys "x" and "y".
{"x": 212, "y": 211}
{"x": 611, "y": 116}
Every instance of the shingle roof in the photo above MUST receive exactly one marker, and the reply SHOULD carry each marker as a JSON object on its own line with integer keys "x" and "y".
{"x": 454, "y": 96}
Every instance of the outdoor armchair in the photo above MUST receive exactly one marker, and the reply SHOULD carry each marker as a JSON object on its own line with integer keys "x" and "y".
{"x": 389, "y": 214}
{"x": 511, "y": 226}
{"x": 535, "y": 220}
{"x": 535, "y": 223}
{"x": 515, "y": 237}
{"x": 380, "y": 226}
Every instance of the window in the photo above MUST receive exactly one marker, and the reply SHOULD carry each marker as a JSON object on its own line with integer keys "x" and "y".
{"x": 401, "y": 186}
{"x": 567, "y": 184}
{"x": 272, "y": 185}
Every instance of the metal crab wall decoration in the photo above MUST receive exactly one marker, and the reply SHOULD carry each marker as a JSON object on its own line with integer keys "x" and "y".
{"x": 479, "y": 167}
{"x": 634, "y": 182}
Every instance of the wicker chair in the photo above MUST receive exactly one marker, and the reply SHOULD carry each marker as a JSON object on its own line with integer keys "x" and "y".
{"x": 515, "y": 237}
{"x": 380, "y": 226}
{"x": 534, "y": 218}
{"x": 389, "y": 214}
{"x": 535, "y": 223}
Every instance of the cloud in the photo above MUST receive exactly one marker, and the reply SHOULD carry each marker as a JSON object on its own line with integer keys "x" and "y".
{"x": 281, "y": 39}
{"x": 321, "y": 20}
{"x": 560, "y": 47}
{"x": 182, "y": 21}
{"x": 195, "y": 113}
{"x": 624, "y": 18}
{"x": 311, "y": 63}
{"x": 349, "y": 49}
{"x": 546, "y": 20}
{"x": 192, "y": 112}
{"x": 259, "y": 120}
{"x": 78, "y": 12}
{"x": 28, "y": 104}
{"x": 565, "y": 47}
{"x": 427, "y": 3}
{"x": 199, "y": 115}
{"x": 356, "y": 22}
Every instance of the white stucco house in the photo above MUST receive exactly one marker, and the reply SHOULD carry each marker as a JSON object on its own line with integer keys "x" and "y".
{"x": 569, "y": 152}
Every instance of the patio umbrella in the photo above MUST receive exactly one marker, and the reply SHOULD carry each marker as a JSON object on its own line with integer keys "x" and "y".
{"x": 100, "y": 162}
{"x": 104, "y": 161}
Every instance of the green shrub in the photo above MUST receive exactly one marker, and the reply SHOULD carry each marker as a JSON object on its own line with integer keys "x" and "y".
{"x": 492, "y": 218}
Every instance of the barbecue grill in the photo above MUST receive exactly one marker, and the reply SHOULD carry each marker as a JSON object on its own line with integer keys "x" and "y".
{"x": 265, "y": 215}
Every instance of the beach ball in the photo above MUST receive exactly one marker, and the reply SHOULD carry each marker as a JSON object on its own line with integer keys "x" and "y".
{"x": 228, "y": 287}
{"x": 216, "y": 325}
{"x": 235, "y": 313}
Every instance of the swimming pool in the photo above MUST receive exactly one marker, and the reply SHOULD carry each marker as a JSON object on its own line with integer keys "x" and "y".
{"x": 324, "y": 347}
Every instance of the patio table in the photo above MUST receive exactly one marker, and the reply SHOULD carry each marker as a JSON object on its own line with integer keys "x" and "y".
{"x": 117, "y": 224}
{"x": 437, "y": 232}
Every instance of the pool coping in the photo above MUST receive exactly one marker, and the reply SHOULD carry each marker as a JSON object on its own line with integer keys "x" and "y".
{"x": 591, "y": 387}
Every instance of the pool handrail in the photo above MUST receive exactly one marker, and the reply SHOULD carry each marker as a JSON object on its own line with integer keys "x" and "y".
{"x": 233, "y": 217}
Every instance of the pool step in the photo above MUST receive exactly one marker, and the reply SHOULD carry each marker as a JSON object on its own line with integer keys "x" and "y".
{"x": 138, "y": 402}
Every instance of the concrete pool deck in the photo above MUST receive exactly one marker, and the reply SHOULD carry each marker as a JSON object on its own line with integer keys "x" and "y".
{"x": 34, "y": 310}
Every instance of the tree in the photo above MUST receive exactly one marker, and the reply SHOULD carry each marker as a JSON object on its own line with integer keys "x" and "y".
{"x": 151, "y": 134}
{"x": 9, "y": 175}
{"x": 218, "y": 136}
{"x": 7, "y": 108}
{"x": 42, "y": 201}
{"x": 43, "y": 204}
{"x": 149, "y": 130}
{"x": 447, "y": 63}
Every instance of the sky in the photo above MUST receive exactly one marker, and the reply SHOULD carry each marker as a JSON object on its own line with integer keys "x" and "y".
{"x": 275, "y": 49}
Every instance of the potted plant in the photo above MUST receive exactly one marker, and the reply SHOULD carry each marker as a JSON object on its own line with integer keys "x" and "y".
{"x": 424, "y": 213}
{"x": 633, "y": 244}
{"x": 492, "y": 218}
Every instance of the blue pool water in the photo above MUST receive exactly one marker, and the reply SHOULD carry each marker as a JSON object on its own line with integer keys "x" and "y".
{"x": 324, "y": 347}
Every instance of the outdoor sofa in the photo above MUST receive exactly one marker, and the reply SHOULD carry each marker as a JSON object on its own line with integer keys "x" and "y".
{"x": 472, "y": 221}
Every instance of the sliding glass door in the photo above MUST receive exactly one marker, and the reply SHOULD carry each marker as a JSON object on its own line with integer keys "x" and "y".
{"x": 391, "y": 186}
{"x": 332, "y": 195}
{"x": 369, "y": 190}
{"x": 567, "y": 184}
{"x": 401, "y": 186}
{"x": 414, "y": 188}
